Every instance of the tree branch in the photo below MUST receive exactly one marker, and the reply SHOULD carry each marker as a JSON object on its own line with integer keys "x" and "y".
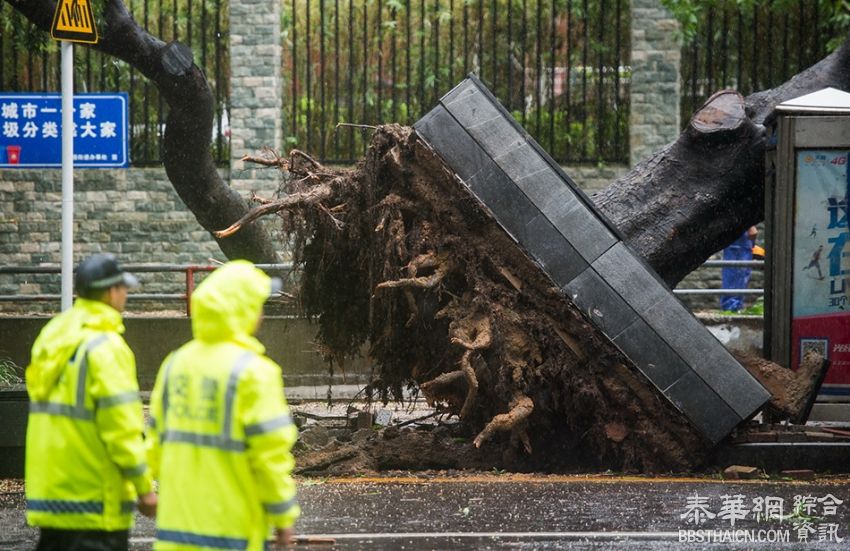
{"x": 313, "y": 197}
{"x": 699, "y": 193}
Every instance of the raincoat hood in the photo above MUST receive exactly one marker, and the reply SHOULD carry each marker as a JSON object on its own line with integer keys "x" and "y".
{"x": 228, "y": 304}
{"x": 60, "y": 338}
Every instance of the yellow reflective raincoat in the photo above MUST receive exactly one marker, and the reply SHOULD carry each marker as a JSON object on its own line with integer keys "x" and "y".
{"x": 221, "y": 434}
{"x": 85, "y": 454}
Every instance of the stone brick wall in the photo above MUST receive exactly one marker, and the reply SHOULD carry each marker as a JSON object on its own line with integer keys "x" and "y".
{"x": 593, "y": 178}
{"x": 134, "y": 213}
{"x": 256, "y": 99}
{"x": 654, "y": 101}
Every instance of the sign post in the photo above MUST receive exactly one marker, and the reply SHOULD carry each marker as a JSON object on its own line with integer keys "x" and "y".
{"x": 67, "y": 174}
{"x": 72, "y": 21}
{"x": 807, "y": 301}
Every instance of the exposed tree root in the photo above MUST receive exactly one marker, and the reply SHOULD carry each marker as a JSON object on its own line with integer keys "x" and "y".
{"x": 314, "y": 197}
{"x": 425, "y": 282}
{"x": 514, "y": 421}
{"x": 270, "y": 159}
{"x": 476, "y": 326}
{"x": 440, "y": 386}
{"x": 475, "y": 336}
{"x": 471, "y": 385}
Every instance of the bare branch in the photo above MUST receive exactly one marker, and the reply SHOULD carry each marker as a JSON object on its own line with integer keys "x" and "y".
{"x": 312, "y": 197}
{"x": 276, "y": 160}
{"x": 261, "y": 200}
{"x": 352, "y": 125}
{"x": 298, "y": 153}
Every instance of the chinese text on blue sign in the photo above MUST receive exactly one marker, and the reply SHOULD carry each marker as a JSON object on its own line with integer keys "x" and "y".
{"x": 31, "y": 130}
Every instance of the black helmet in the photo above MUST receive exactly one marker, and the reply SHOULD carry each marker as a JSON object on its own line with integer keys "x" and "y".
{"x": 99, "y": 272}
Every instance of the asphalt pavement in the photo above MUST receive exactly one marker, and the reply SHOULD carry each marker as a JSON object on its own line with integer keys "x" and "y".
{"x": 506, "y": 511}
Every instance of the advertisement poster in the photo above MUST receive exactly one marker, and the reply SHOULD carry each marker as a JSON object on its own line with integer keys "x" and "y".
{"x": 821, "y": 305}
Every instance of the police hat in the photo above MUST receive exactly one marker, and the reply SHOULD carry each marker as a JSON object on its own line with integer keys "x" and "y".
{"x": 102, "y": 271}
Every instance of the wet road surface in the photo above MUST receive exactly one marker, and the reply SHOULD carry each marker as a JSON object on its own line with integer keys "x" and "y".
{"x": 547, "y": 512}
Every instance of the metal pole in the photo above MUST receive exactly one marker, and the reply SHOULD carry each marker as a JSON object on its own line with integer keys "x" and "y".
{"x": 67, "y": 173}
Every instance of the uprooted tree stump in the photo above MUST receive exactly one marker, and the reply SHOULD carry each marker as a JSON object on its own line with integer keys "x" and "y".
{"x": 398, "y": 253}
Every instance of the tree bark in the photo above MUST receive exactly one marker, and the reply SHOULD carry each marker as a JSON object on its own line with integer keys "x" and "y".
{"x": 699, "y": 193}
{"x": 186, "y": 152}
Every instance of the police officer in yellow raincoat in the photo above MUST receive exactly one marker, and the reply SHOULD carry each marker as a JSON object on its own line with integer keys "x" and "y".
{"x": 220, "y": 432}
{"x": 85, "y": 455}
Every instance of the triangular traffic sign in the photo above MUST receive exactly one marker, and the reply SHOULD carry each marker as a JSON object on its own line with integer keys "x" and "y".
{"x": 74, "y": 21}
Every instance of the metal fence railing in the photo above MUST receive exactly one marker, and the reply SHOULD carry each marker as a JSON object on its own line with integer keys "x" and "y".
{"x": 188, "y": 270}
{"x": 561, "y": 68}
{"x": 714, "y": 291}
{"x": 30, "y": 62}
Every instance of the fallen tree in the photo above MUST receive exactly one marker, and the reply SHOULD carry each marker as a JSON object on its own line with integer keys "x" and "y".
{"x": 690, "y": 199}
{"x": 397, "y": 253}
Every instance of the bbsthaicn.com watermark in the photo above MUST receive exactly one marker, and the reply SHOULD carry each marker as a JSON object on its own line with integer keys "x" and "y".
{"x": 735, "y": 536}
{"x": 805, "y": 518}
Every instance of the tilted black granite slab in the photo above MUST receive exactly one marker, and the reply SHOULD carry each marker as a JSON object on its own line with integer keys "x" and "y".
{"x": 584, "y": 255}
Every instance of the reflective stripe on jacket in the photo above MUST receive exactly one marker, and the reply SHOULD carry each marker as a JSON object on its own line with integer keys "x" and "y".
{"x": 85, "y": 456}
{"x": 220, "y": 433}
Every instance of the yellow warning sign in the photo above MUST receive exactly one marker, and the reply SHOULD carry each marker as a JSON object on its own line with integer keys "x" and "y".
{"x": 74, "y": 22}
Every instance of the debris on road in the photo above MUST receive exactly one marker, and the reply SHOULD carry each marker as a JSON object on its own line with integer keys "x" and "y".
{"x": 740, "y": 472}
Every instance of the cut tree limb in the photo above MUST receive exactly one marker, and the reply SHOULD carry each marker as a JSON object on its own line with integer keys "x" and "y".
{"x": 696, "y": 195}
{"x": 792, "y": 391}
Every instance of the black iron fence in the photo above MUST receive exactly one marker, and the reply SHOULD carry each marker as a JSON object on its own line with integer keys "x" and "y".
{"x": 561, "y": 67}
{"x": 752, "y": 46}
{"x": 30, "y": 62}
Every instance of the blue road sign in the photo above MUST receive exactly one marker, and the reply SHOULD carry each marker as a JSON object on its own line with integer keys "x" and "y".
{"x": 31, "y": 130}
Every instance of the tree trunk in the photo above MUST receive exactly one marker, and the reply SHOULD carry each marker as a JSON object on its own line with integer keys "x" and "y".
{"x": 698, "y": 194}
{"x": 186, "y": 152}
